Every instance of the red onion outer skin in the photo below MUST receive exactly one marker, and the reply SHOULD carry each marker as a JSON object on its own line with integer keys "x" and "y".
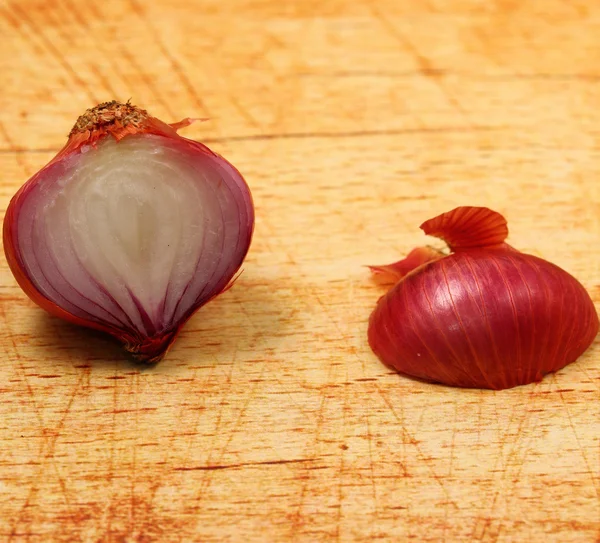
{"x": 110, "y": 120}
{"x": 483, "y": 317}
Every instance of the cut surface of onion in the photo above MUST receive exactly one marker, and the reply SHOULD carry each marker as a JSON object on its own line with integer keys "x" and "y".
{"x": 131, "y": 235}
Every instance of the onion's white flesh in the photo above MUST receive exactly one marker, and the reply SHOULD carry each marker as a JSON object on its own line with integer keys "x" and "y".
{"x": 134, "y": 233}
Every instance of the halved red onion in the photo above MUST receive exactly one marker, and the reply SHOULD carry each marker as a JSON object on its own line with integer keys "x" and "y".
{"x": 483, "y": 316}
{"x": 130, "y": 229}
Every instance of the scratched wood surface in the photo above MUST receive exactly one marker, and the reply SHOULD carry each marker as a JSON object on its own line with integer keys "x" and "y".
{"x": 271, "y": 420}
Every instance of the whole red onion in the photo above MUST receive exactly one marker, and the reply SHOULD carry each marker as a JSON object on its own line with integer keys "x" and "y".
{"x": 485, "y": 316}
{"x": 130, "y": 229}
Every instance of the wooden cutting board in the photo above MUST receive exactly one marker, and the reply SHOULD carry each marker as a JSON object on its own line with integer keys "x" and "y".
{"x": 271, "y": 420}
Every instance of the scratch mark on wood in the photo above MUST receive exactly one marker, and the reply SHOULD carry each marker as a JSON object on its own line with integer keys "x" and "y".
{"x": 132, "y": 61}
{"x": 244, "y": 112}
{"x": 447, "y": 513}
{"x": 410, "y": 439}
{"x": 297, "y": 517}
{"x": 513, "y": 464}
{"x": 342, "y": 452}
{"x": 173, "y": 61}
{"x": 133, "y": 474}
{"x": 216, "y": 467}
{"x": 47, "y": 450}
{"x": 259, "y": 334}
{"x": 16, "y": 355}
{"x": 316, "y": 135}
{"x": 590, "y": 472}
{"x": 18, "y": 26}
{"x": 15, "y": 149}
{"x": 232, "y": 433}
{"x": 261, "y": 58}
{"x": 425, "y": 65}
{"x": 115, "y": 66}
{"x": 74, "y": 13}
{"x": 110, "y": 475}
{"x": 447, "y": 73}
{"x": 193, "y": 435}
{"x": 56, "y": 53}
{"x": 357, "y": 133}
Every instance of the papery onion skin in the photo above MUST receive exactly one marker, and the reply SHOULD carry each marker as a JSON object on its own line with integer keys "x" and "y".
{"x": 120, "y": 121}
{"x": 486, "y": 316}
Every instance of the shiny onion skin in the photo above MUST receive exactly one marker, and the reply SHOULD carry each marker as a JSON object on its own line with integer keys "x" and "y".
{"x": 484, "y": 316}
{"x": 130, "y": 229}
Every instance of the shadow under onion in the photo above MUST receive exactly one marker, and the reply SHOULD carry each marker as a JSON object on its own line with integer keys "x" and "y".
{"x": 251, "y": 317}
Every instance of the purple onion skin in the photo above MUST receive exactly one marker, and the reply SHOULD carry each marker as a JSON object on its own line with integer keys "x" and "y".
{"x": 491, "y": 318}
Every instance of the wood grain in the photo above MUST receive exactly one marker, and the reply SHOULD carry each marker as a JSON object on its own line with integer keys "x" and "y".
{"x": 271, "y": 420}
